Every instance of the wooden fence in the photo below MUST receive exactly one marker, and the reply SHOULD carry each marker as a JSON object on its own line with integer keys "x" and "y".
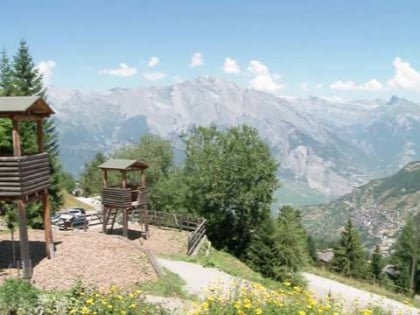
{"x": 195, "y": 237}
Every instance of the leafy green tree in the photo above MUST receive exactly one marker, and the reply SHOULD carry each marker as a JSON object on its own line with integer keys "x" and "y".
{"x": 231, "y": 177}
{"x": 91, "y": 178}
{"x": 154, "y": 151}
{"x": 349, "y": 256}
{"x": 169, "y": 193}
{"x": 406, "y": 254}
{"x": 376, "y": 263}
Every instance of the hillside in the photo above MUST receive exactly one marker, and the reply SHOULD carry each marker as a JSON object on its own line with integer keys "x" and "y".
{"x": 379, "y": 208}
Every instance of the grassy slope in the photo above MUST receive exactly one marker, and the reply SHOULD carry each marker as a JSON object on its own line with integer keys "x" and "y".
{"x": 70, "y": 201}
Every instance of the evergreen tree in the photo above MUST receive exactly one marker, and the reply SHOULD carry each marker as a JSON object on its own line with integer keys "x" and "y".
{"x": 23, "y": 79}
{"x": 5, "y": 90}
{"x": 376, "y": 263}
{"x": 279, "y": 249}
{"x": 27, "y": 80}
{"x": 6, "y": 75}
{"x": 406, "y": 254}
{"x": 349, "y": 257}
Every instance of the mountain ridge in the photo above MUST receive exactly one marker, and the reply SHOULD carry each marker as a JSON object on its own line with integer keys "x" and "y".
{"x": 322, "y": 145}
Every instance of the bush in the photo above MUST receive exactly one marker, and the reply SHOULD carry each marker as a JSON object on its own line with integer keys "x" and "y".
{"x": 17, "y": 296}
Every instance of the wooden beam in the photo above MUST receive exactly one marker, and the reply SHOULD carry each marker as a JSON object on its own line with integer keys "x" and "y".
{"x": 143, "y": 178}
{"x": 24, "y": 243}
{"x": 49, "y": 243}
{"x": 16, "y": 138}
{"x": 105, "y": 178}
{"x": 124, "y": 179}
{"x": 125, "y": 223}
{"x": 40, "y": 136}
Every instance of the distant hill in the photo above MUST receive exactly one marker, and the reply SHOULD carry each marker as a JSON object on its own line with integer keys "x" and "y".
{"x": 379, "y": 208}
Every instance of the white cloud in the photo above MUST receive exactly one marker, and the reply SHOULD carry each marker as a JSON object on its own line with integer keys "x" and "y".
{"x": 405, "y": 77}
{"x": 371, "y": 85}
{"x": 231, "y": 66}
{"x": 154, "y": 76}
{"x": 197, "y": 60}
{"x": 304, "y": 86}
{"x": 153, "y": 62}
{"x": 122, "y": 71}
{"x": 46, "y": 69}
{"x": 264, "y": 80}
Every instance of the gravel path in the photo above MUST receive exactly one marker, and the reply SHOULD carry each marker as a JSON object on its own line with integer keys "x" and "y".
{"x": 198, "y": 278}
{"x": 321, "y": 287}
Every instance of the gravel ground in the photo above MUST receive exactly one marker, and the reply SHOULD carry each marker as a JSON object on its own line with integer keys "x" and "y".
{"x": 95, "y": 258}
{"x": 321, "y": 287}
{"x": 199, "y": 278}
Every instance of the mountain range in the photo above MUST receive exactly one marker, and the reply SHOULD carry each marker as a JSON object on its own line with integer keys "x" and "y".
{"x": 325, "y": 147}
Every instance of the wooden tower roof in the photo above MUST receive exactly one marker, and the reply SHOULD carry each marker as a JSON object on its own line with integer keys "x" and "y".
{"x": 123, "y": 165}
{"x": 27, "y": 106}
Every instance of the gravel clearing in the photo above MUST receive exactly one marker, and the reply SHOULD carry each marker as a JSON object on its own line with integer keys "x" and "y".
{"x": 97, "y": 259}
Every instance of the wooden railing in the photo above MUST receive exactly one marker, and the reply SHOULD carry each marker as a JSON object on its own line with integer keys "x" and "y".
{"x": 116, "y": 197}
{"x": 195, "y": 237}
{"x": 24, "y": 175}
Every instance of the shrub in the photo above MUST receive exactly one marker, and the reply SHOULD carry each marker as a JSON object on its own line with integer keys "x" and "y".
{"x": 17, "y": 296}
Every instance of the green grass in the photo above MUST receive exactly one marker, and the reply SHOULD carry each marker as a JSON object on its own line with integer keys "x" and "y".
{"x": 365, "y": 285}
{"x": 70, "y": 201}
{"x": 170, "y": 285}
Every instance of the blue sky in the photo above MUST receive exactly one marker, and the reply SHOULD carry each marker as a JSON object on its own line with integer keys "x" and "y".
{"x": 346, "y": 49}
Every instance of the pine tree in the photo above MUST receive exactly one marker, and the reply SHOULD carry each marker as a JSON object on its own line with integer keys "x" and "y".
{"x": 5, "y": 90}
{"x": 376, "y": 263}
{"x": 6, "y": 75}
{"x": 279, "y": 247}
{"x": 349, "y": 257}
{"x": 23, "y": 79}
{"x": 406, "y": 254}
{"x": 27, "y": 80}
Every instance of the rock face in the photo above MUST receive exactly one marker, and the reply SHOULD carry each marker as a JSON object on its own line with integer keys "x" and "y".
{"x": 323, "y": 146}
{"x": 379, "y": 208}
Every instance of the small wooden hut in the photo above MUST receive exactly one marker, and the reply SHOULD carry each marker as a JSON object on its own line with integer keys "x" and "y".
{"x": 126, "y": 196}
{"x": 25, "y": 178}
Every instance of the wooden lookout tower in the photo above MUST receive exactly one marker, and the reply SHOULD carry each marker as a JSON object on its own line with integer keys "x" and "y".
{"x": 24, "y": 177}
{"x": 130, "y": 193}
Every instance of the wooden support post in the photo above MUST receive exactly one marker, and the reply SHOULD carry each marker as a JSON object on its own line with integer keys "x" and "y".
{"x": 104, "y": 218}
{"x": 125, "y": 223}
{"x": 143, "y": 178}
{"x": 49, "y": 243}
{"x": 40, "y": 136}
{"x": 105, "y": 178}
{"x": 124, "y": 179}
{"x": 16, "y": 138}
{"x": 24, "y": 243}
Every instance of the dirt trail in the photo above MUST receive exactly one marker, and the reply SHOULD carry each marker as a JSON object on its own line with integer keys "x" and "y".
{"x": 198, "y": 278}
